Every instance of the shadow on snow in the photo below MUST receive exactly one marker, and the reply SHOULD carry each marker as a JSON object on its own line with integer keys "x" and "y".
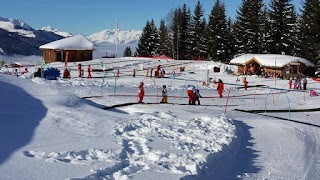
{"x": 231, "y": 163}
{"x": 17, "y": 127}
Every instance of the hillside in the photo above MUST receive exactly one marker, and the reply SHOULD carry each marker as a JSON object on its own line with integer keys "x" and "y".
{"x": 18, "y": 38}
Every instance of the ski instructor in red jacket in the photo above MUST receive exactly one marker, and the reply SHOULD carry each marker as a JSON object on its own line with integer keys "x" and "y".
{"x": 220, "y": 88}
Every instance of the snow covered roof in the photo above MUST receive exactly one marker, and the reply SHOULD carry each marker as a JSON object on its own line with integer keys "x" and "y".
{"x": 77, "y": 42}
{"x": 271, "y": 60}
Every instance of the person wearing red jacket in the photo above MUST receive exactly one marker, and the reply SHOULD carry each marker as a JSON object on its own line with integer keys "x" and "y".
{"x": 140, "y": 92}
{"x": 79, "y": 70}
{"x": 66, "y": 73}
{"x": 89, "y": 72}
{"x": 191, "y": 94}
{"x": 220, "y": 88}
{"x": 245, "y": 82}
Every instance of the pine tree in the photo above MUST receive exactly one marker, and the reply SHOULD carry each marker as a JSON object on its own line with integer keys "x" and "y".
{"x": 164, "y": 47}
{"x": 175, "y": 32}
{"x": 265, "y": 32}
{"x": 230, "y": 48}
{"x": 143, "y": 48}
{"x": 149, "y": 41}
{"x": 310, "y": 34}
{"x": 217, "y": 32}
{"x": 127, "y": 52}
{"x": 185, "y": 49}
{"x": 249, "y": 23}
{"x": 282, "y": 21}
{"x": 197, "y": 32}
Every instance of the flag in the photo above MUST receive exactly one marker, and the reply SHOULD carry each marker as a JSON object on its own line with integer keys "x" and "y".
{"x": 116, "y": 24}
{"x": 66, "y": 59}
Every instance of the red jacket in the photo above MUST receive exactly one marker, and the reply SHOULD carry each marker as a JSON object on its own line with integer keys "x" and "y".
{"x": 141, "y": 91}
{"x": 220, "y": 87}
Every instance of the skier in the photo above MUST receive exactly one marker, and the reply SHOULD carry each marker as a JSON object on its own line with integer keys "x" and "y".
{"x": 79, "y": 71}
{"x": 89, "y": 72}
{"x": 304, "y": 83}
{"x": 158, "y": 71}
{"x": 66, "y": 73}
{"x": 38, "y": 73}
{"x": 290, "y": 83}
{"x": 134, "y": 73}
{"x": 164, "y": 94}
{"x": 151, "y": 72}
{"x": 118, "y": 73}
{"x": 220, "y": 88}
{"x": 313, "y": 93}
{"x": 140, "y": 92}
{"x": 191, "y": 92}
{"x": 197, "y": 96}
{"x": 25, "y": 71}
{"x": 245, "y": 82}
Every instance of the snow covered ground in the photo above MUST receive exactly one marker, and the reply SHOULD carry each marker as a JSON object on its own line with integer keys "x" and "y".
{"x": 76, "y": 129}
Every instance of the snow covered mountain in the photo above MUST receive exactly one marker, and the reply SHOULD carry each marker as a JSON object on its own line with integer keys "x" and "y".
{"x": 17, "y": 26}
{"x": 115, "y": 36}
{"x": 17, "y": 37}
{"x": 56, "y": 31}
{"x": 113, "y": 42}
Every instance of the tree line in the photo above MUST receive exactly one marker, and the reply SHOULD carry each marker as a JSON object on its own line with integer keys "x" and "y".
{"x": 274, "y": 28}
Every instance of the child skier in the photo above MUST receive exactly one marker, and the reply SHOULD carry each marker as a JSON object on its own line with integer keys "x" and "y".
{"x": 164, "y": 94}
{"x": 89, "y": 72}
{"x": 79, "y": 71}
{"x": 66, "y": 73}
{"x": 290, "y": 83}
{"x": 191, "y": 92}
{"x": 245, "y": 82}
{"x": 140, "y": 92}
{"x": 197, "y": 96}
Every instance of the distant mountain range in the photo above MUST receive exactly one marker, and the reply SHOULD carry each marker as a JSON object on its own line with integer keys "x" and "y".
{"x": 18, "y": 38}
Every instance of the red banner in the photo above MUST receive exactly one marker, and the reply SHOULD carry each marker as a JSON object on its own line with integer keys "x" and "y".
{"x": 66, "y": 59}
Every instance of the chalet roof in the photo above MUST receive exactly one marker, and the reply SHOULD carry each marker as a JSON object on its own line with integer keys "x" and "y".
{"x": 271, "y": 60}
{"x": 77, "y": 42}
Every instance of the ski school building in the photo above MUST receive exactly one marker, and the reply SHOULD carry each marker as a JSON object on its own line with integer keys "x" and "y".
{"x": 282, "y": 65}
{"x": 71, "y": 49}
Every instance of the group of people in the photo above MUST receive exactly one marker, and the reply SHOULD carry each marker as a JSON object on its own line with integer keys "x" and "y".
{"x": 192, "y": 92}
{"x": 297, "y": 83}
{"x": 194, "y": 95}
{"x": 141, "y": 93}
{"x": 66, "y": 72}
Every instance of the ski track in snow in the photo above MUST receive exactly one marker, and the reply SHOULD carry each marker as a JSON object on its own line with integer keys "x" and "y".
{"x": 185, "y": 135}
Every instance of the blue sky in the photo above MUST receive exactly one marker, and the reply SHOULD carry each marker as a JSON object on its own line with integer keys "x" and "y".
{"x": 91, "y": 16}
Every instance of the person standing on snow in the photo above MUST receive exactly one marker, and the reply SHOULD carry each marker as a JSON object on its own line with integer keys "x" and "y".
{"x": 197, "y": 96}
{"x": 245, "y": 82}
{"x": 118, "y": 73}
{"x": 151, "y": 70}
{"x": 191, "y": 95}
{"x": 79, "y": 71}
{"x": 304, "y": 83}
{"x": 134, "y": 73}
{"x": 220, "y": 88}
{"x": 164, "y": 94}
{"x": 140, "y": 92}
{"x": 290, "y": 83}
{"x": 66, "y": 73}
{"x": 89, "y": 72}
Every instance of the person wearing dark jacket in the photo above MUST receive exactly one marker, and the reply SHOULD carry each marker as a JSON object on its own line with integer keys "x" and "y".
{"x": 38, "y": 73}
{"x": 197, "y": 96}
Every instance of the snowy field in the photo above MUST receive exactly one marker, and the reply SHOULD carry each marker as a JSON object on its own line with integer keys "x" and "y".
{"x": 83, "y": 128}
